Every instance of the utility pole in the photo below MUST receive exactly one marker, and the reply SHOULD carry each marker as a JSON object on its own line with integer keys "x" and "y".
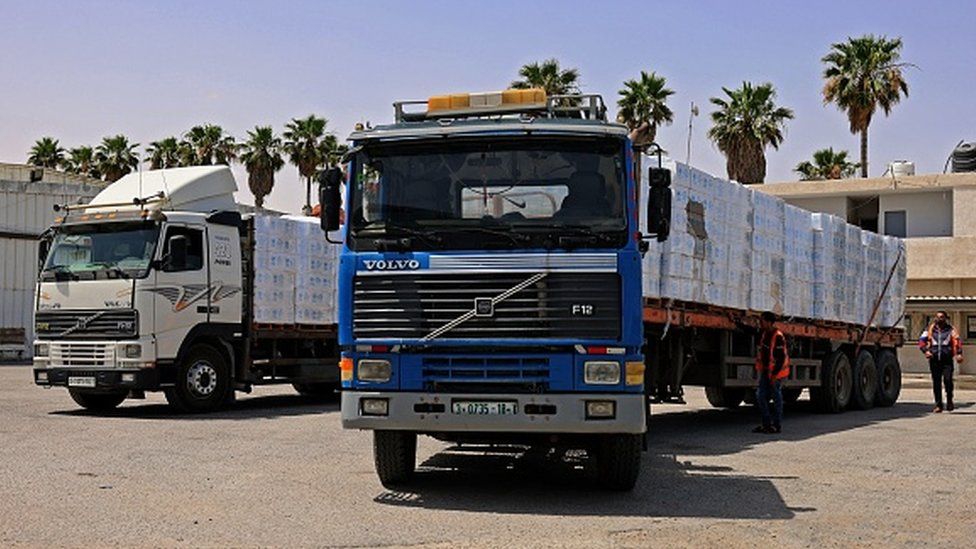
{"x": 691, "y": 119}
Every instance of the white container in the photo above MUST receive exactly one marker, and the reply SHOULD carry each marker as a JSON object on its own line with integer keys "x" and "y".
{"x": 901, "y": 168}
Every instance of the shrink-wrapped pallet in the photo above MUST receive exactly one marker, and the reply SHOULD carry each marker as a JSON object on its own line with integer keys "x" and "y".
{"x": 295, "y": 271}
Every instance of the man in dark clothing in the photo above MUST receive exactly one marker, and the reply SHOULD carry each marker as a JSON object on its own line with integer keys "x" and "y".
{"x": 773, "y": 366}
{"x": 941, "y": 346}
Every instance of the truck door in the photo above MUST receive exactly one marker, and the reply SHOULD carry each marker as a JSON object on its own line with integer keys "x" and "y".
{"x": 224, "y": 244}
{"x": 182, "y": 288}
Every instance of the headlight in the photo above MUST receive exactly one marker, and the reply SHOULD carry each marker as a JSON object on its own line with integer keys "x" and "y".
{"x": 42, "y": 349}
{"x": 601, "y": 372}
{"x": 130, "y": 350}
{"x": 375, "y": 370}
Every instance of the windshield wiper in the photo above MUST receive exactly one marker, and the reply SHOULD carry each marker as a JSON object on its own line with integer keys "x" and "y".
{"x": 579, "y": 235}
{"x": 501, "y": 230}
{"x": 431, "y": 239}
{"x": 112, "y": 268}
{"x": 57, "y": 270}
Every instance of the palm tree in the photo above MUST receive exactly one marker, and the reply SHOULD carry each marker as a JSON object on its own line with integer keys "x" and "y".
{"x": 116, "y": 157}
{"x": 643, "y": 107}
{"x": 164, "y": 153}
{"x": 261, "y": 156}
{"x": 46, "y": 153}
{"x": 746, "y": 121}
{"x": 82, "y": 161}
{"x": 863, "y": 74}
{"x": 826, "y": 164}
{"x": 548, "y": 76}
{"x": 210, "y": 145}
{"x": 304, "y": 144}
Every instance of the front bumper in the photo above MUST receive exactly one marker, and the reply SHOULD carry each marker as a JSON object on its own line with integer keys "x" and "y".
{"x": 432, "y": 412}
{"x": 145, "y": 379}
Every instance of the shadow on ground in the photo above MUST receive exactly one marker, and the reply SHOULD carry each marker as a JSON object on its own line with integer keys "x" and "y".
{"x": 505, "y": 480}
{"x": 265, "y": 407}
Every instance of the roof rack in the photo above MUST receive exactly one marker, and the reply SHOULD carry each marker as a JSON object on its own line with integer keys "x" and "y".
{"x": 588, "y": 106}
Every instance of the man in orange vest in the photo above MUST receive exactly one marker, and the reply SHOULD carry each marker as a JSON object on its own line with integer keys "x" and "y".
{"x": 941, "y": 346}
{"x": 773, "y": 366}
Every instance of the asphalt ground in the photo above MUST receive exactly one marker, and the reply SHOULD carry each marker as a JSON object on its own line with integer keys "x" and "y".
{"x": 278, "y": 470}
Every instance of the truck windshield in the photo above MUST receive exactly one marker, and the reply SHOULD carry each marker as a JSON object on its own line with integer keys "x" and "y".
{"x": 105, "y": 250}
{"x": 501, "y": 192}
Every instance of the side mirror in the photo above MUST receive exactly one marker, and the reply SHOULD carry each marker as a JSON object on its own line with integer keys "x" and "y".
{"x": 176, "y": 258}
{"x": 330, "y": 198}
{"x": 659, "y": 203}
{"x": 43, "y": 247}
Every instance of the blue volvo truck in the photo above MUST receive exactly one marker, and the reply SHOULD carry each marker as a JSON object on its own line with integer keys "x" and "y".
{"x": 490, "y": 279}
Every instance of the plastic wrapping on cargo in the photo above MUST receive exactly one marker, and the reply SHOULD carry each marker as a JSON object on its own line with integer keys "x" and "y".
{"x": 734, "y": 247}
{"x": 295, "y": 271}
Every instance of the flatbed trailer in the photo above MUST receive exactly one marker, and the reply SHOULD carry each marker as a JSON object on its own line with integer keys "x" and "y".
{"x": 844, "y": 365}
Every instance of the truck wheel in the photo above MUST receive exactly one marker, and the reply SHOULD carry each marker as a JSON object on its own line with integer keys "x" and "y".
{"x": 395, "y": 456}
{"x": 320, "y": 391}
{"x": 865, "y": 381}
{"x": 618, "y": 461}
{"x": 97, "y": 402}
{"x": 725, "y": 397}
{"x": 202, "y": 381}
{"x": 837, "y": 381}
{"x": 889, "y": 379}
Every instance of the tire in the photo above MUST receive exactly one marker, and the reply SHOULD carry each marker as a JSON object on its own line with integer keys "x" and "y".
{"x": 202, "y": 381}
{"x": 618, "y": 461}
{"x": 889, "y": 379}
{"x": 325, "y": 391}
{"x": 865, "y": 381}
{"x": 837, "y": 380}
{"x": 395, "y": 456}
{"x": 725, "y": 397}
{"x": 95, "y": 401}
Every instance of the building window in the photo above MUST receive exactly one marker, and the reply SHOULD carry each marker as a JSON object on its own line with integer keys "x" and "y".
{"x": 970, "y": 326}
{"x": 896, "y": 223}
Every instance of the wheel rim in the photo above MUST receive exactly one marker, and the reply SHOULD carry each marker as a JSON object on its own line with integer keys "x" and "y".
{"x": 868, "y": 384}
{"x": 842, "y": 384}
{"x": 201, "y": 379}
{"x": 887, "y": 379}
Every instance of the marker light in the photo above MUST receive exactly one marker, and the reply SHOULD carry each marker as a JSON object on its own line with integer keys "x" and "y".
{"x": 635, "y": 373}
{"x": 345, "y": 369}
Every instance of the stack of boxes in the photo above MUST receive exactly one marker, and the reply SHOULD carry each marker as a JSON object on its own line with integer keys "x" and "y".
{"x": 294, "y": 272}
{"x": 742, "y": 249}
{"x": 768, "y": 253}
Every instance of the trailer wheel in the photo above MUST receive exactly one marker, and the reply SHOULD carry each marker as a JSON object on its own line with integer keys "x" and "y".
{"x": 395, "y": 456}
{"x": 837, "y": 380}
{"x": 865, "y": 381}
{"x": 202, "y": 381}
{"x": 725, "y": 397}
{"x": 618, "y": 461}
{"x": 889, "y": 378}
{"x": 96, "y": 401}
{"x": 324, "y": 391}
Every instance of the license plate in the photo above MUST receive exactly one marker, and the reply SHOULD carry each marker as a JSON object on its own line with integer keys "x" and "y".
{"x": 484, "y": 408}
{"x": 81, "y": 382}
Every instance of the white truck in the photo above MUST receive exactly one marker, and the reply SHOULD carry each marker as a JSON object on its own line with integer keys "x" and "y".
{"x": 161, "y": 284}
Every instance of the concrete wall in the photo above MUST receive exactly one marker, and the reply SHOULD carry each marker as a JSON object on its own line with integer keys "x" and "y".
{"x": 927, "y": 214}
{"x": 834, "y": 205}
{"x": 963, "y": 211}
{"x": 941, "y": 258}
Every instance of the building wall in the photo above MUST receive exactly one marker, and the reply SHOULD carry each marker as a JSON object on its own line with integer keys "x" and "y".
{"x": 27, "y": 209}
{"x": 927, "y": 214}
{"x": 834, "y": 205}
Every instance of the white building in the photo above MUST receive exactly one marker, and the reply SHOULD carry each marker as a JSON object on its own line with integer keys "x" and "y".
{"x": 27, "y": 198}
{"x": 936, "y": 214}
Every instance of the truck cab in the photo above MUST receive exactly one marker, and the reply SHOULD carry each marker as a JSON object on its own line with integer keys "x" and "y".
{"x": 490, "y": 281}
{"x": 150, "y": 287}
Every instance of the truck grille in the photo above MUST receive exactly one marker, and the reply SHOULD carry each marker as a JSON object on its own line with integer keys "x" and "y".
{"x": 556, "y": 306}
{"x": 486, "y": 375}
{"x": 82, "y": 355}
{"x": 86, "y": 324}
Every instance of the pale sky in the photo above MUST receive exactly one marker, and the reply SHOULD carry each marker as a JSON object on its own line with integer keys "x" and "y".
{"x": 81, "y": 70}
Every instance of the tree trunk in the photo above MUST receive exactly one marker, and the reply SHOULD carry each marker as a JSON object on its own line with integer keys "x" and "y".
{"x": 308, "y": 194}
{"x": 864, "y": 152}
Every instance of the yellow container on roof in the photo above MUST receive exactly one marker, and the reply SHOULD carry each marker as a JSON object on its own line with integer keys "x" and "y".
{"x": 530, "y": 96}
